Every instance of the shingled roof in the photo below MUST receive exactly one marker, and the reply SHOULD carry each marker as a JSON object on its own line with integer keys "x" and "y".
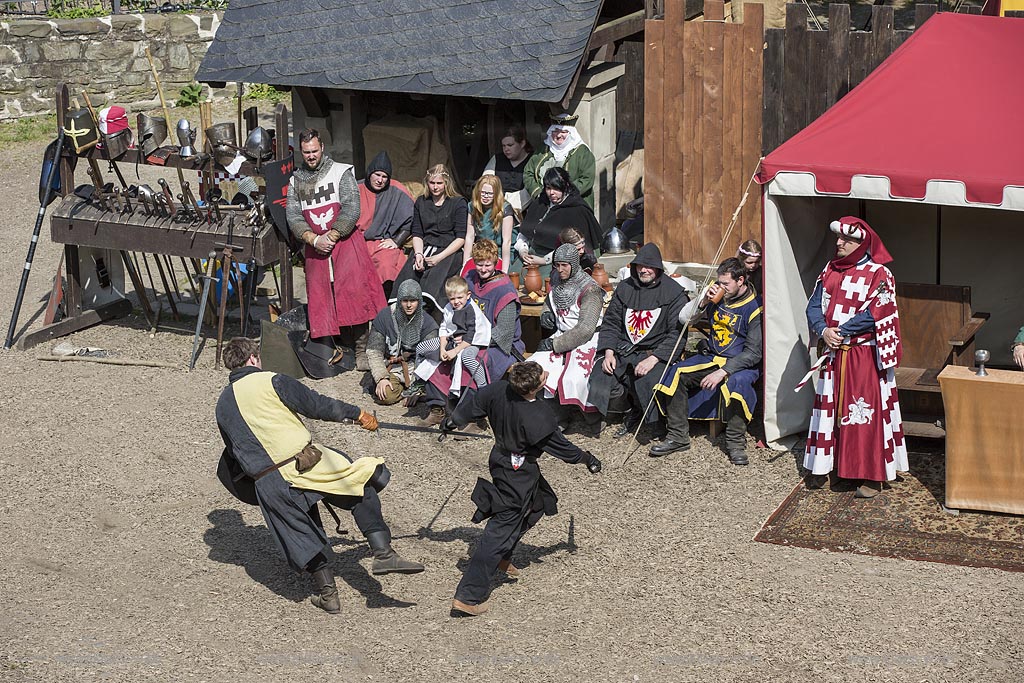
{"x": 502, "y": 49}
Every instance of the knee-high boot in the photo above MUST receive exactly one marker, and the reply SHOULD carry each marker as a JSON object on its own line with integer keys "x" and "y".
{"x": 385, "y": 559}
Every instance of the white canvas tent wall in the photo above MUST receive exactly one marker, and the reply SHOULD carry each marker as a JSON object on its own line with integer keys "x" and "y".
{"x": 842, "y": 165}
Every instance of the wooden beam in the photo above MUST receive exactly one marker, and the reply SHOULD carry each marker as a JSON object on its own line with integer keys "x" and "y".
{"x": 87, "y": 318}
{"x": 617, "y": 29}
{"x": 314, "y": 101}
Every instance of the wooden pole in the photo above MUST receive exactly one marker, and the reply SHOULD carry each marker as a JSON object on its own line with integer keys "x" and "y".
{"x": 159, "y": 90}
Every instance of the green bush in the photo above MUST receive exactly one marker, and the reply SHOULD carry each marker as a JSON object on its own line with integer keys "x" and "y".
{"x": 190, "y": 95}
{"x": 66, "y": 10}
{"x": 262, "y": 91}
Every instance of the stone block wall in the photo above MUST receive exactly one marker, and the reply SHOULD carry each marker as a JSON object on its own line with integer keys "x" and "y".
{"x": 105, "y": 56}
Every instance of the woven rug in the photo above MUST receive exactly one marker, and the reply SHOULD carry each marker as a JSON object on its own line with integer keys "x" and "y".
{"x": 905, "y": 521}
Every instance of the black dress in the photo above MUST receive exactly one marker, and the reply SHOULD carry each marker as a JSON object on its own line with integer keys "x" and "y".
{"x": 437, "y": 226}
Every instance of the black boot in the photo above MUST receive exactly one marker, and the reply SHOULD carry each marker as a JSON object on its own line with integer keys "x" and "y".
{"x": 385, "y": 559}
{"x": 326, "y": 593}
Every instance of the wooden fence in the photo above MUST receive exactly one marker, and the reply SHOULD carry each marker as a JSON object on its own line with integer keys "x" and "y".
{"x": 702, "y": 129}
{"x": 807, "y": 71}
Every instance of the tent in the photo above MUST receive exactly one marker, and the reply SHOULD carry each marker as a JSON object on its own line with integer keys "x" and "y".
{"x": 928, "y": 149}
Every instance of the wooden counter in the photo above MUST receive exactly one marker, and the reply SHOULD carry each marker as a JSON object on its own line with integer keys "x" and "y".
{"x": 984, "y": 439}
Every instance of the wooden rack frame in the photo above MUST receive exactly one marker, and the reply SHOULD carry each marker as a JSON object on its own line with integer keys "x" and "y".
{"x": 91, "y": 226}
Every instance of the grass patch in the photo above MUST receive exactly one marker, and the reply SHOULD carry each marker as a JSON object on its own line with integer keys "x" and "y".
{"x": 28, "y": 129}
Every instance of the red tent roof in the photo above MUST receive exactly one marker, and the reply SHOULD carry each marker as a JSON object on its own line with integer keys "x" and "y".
{"x": 946, "y": 105}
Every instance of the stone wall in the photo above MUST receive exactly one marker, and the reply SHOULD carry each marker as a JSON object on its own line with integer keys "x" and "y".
{"x": 105, "y": 56}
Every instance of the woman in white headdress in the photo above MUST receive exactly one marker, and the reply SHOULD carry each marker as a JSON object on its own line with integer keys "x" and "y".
{"x": 565, "y": 148}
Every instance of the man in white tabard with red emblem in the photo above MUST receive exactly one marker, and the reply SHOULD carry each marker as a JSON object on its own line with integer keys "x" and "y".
{"x": 343, "y": 289}
{"x": 638, "y": 334}
{"x": 573, "y": 310}
{"x": 856, "y": 429}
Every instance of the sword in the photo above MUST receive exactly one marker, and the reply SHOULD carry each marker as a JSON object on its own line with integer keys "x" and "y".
{"x": 206, "y": 278}
{"x": 810, "y": 373}
{"x": 426, "y": 430}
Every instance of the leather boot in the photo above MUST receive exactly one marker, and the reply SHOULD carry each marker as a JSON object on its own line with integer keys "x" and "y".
{"x": 326, "y": 593}
{"x": 511, "y": 571}
{"x": 385, "y": 559}
{"x": 462, "y": 609}
{"x": 433, "y": 418}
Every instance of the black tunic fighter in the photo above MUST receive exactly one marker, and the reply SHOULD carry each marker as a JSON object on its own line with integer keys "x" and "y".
{"x": 518, "y": 495}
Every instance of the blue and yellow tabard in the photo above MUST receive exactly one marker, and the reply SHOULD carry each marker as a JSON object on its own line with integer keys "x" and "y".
{"x": 729, "y": 325}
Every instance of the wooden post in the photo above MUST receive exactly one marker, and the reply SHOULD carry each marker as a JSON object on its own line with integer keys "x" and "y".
{"x": 654, "y": 128}
{"x": 711, "y": 125}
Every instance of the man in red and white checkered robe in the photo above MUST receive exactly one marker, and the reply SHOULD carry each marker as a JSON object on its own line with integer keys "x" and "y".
{"x": 856, "y": 428}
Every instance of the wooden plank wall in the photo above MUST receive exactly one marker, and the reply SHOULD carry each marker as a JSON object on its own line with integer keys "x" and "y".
{"x": 702, "y": 129}
{"x": 806, "y": 71}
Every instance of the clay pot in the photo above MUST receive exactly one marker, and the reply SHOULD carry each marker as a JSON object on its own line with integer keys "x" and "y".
{"x": 514, "y": 277}
{"x": 547, "y": 284}
{"x": 533, "y": 281}
{"x": 600, "y": 276}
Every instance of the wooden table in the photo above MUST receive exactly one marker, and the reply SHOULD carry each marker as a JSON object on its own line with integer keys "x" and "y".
{"x": 984, "y": 439}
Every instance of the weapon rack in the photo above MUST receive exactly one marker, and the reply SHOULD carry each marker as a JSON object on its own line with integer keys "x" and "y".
{"x": 76, "y": 223}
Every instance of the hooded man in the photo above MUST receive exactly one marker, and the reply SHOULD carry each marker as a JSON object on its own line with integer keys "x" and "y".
{"x": 639, "y": 331}
{"x": 563, "y": 147}
{"x": 343, "y": 290}
{"x": 394, "y": 335}
{"x": 856, "y": 428}
{"x": 385, "y": 217}
{"x": 722, "y": 376}
{"x": 573, "y": 310}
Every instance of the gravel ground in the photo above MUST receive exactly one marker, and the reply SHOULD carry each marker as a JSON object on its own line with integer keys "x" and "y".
{"x": 124, "y": 559}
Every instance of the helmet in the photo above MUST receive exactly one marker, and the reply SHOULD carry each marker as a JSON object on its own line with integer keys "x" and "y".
{"x": 615, "y": 242}
{"x": 393, "y": 393}
{"x": 117, "y": 137}
{"x": 186, "y": 138}
{"x": 116, "y": 144}
{"x": 152, "y": 133}
{"x": 258, "y": 145}
{"x": 80, "y": 130}
{"x": 221, "y": 137}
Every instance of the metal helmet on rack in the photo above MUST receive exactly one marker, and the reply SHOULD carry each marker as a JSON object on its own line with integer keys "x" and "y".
{"x": 152, "y": 133}
{"x": 117, "y": 136}
{"x": 222, "y": 141}
{"x": 116, "y": 144}
{"x": 615, "y": 242}
{"x": 258, "y": 145}
{"x": 186, "y": 138}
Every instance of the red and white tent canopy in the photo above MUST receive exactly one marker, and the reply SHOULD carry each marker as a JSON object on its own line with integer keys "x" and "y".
{"x": 939, "y": 123}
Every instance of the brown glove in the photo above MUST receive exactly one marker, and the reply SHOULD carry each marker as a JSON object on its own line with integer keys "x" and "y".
{"x": 367, "y": 421}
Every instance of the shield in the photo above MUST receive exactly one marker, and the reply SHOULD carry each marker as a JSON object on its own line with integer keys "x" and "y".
{"x": 315, "y": 354}
{"x": 277, "y": 175}
{"x": 276, "y": 351}
{"x": 51, "y": 156}
{"x": 80, "y": 129}
{"x": 230, "y": 474}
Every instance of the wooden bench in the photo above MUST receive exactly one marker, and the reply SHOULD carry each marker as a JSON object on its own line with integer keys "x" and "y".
{"x": 937, "y": 328}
